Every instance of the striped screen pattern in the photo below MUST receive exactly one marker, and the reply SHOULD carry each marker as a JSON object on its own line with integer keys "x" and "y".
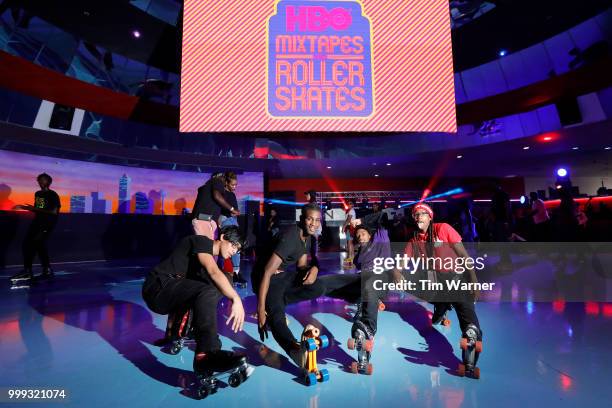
{"x": 224, "y": 69}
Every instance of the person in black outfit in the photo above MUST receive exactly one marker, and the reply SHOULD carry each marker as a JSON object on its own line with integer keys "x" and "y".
{"x": 208, "y": 204}
{"x": 190, "y": 279}
{"x": 226, "y": 218}
{"x": 46, "y": 209}
{"x": 277, "y": 286}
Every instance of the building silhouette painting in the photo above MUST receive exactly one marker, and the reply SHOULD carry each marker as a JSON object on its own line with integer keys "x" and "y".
{"x": 99, "y": 205}
{"x": 142, "y": 204}
{"x": 80, "y": 204}
{"x": 124, "y": 194}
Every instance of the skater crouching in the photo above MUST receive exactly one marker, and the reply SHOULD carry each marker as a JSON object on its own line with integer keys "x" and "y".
{"x": 365, "y": 324}
{"x": 190, "y": 279}
{"x": 277, "y": 286}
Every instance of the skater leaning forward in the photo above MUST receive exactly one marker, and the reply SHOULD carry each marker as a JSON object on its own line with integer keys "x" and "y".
{"x": 190, "y": 279}
{"x": 441, "y": 241}
{"x": 365, "y": 324}
{"x": 277, "y": 285}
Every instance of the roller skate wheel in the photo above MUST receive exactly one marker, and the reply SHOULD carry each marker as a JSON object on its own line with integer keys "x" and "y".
{"x": 446, "y": 322}
{"x": 461, "y": 370}
{"x": 369, "y": 345}
{"x": 235, "y": 380}
{"x": 324, "y": 341}
{"x": 311, "y": 379}
{"x": 311, "y": 344}
{"x": 479, "y": 346}
{"x": 369, "y": 369}
{"x": 476, "y": 373}
{"x": 463, "y": 343}
{"x": 324, "y": 375}
{"x": 203, "y": 392}
{"x": 354, "y": 367}
{"x": 351, "y": 344}
{"x": 381, "y": 306}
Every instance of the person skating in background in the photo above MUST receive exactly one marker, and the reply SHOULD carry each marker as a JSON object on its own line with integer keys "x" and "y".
{"x": 208, "y": 205}
{"x": 228, "y": 218}
{"x": 349, "y": 230}
{"x": 46, "y": 211}
{"x": 540, "y": 217}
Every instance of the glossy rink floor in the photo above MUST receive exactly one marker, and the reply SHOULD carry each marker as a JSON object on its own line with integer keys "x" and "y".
{"x": 89, "y": 332}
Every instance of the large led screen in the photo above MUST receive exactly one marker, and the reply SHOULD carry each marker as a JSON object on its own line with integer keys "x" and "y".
{"x": 317, "y": 65}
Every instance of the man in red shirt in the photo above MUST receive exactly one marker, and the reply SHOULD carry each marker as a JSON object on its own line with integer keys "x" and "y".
{"x": 440, "y": 241}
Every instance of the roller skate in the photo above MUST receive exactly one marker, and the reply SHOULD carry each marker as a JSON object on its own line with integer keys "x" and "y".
{"x": 471, "y": 346}
{"x": 212, "y": 367}
{"x": 22, "y": 279}
{"x": 178, "y": 332}
{"x": 440, "y": 314}
{"x": 362, "y": 340}
{"x": 47, "y": 273}
{"x": 311, "y": 341}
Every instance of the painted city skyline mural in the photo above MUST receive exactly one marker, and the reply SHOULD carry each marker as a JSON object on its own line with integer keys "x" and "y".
{"x": 86, "y": 187}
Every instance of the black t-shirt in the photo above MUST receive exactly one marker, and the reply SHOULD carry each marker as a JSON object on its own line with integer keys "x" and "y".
{"x": 287, "y": 244}
{"x": 183, "y": 261}
{"x": 205, "y": 203}
{"x": 231, "y": 199}
{"x": 46, "y": 200}
{"x": 290, "y": 246}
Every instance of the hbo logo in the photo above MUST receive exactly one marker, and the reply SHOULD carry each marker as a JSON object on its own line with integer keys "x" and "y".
{"x": 317, "y": 18}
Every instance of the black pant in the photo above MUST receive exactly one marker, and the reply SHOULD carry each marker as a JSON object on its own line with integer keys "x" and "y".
{"x": 286, "y": 288}
{"x": 172, "y": 294}
{"x": 462, "y": 302}
{"x": 356, "y": 288}
{"x": 466, "y": 313}
{"x": 36, "y": 242}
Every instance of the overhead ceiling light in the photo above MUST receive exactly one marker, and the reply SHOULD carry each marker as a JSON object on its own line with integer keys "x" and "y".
{"x": 547, "y": 138}
{"x": 608, "y": 148}
{"x": 388, "y": 164}
{"x": 575, "y": 148}
{"x": 136, "y": 34}
{"x": 459, "y": 156}
{"x": 502, "y": 53}
{"x": 376, "y": 175}
{"x": 526, "y": 147}
{"x": 329, "y": 167}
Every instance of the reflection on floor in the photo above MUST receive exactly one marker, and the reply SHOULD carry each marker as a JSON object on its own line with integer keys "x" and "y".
{"x": 89, "y": 332}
